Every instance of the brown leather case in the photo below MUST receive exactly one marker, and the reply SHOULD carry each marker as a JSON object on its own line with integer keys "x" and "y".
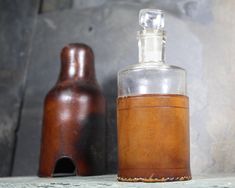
{"x": 153, "y": 138}
{"x": 73, "y": 133}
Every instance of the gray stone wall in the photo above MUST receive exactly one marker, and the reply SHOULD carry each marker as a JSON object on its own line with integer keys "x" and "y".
{"x": 200, "y": 38}
{"x": 17, "y": 20}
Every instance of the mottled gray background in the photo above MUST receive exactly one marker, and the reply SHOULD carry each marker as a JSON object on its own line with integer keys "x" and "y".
{"x": 200, "y": 38}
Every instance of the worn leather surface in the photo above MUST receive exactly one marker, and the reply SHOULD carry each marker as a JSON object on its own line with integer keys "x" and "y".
{"x": 153, "y": 137}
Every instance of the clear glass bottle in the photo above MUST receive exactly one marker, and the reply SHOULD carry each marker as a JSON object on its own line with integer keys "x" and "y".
{"x": 152, "y": 111}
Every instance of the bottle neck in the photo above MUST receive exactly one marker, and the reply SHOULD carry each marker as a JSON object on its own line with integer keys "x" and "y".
{"x": 151, "y": 46}
{"x": 77, "y": 63}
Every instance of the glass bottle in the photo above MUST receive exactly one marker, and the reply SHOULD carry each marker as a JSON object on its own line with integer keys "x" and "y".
{"x": 152, "y": 111}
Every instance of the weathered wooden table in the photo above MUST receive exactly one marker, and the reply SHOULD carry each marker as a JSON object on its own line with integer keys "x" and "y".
{"x": 220, "y": 181}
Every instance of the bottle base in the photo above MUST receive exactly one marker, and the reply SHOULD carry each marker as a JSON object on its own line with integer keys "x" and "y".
{"x": 154, "y": 179}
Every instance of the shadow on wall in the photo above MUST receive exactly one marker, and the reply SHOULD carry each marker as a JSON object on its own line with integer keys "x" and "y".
{"x": 110, "y": 93}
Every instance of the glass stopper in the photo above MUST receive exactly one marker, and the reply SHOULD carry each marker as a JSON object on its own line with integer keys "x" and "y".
{"x": 151, "y": 19}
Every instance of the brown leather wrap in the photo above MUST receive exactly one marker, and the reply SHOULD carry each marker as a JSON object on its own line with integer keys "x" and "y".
{"x": 153, "y": 138}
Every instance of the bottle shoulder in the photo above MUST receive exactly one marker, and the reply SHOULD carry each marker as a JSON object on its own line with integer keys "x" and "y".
{"x": 74, "y": 89}
{"x": 151, "y": 66}
{"x": 151, "y": 78}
